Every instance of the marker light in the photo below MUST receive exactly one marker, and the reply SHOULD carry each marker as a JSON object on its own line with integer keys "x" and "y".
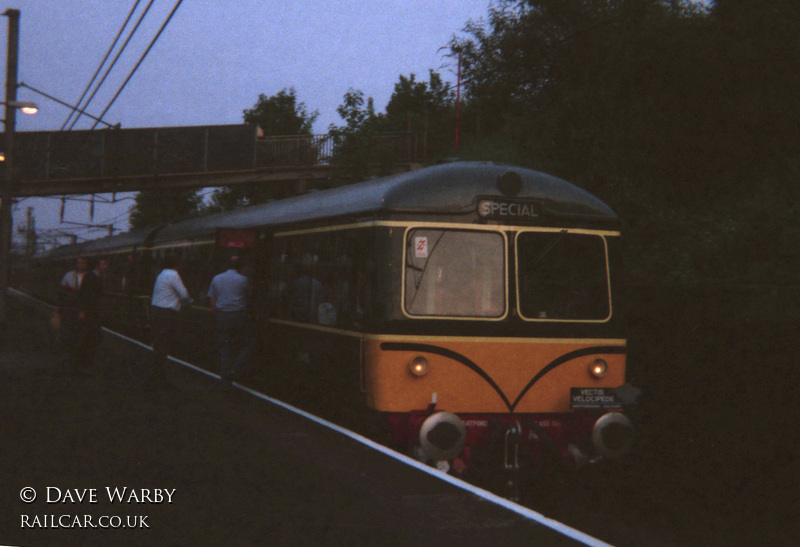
{"x": 418, "y": 366}
{"x": 598, "y": 368}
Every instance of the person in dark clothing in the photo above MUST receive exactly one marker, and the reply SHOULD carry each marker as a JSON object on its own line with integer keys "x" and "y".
{"x": 89, "y": 301}
{"x": 67, "y": 310}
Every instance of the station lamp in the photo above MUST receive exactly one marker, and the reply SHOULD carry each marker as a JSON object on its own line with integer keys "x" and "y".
{"x": 26, "y": 107}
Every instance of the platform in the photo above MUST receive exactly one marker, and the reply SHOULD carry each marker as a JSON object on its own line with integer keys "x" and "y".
{"x": 112, "y": 460}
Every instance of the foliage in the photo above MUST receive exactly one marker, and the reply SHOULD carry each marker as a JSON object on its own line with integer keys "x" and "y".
{"x": 674, "y": 113}
{"x": 154, "y": 207}
{"x": 730, "y": 242}
{"x": 679, "y": 115}
{"x": 426, "y": 108}
{"x": 368, "y": 141}
{"x": 279, "y": 114}
{"x": 351, "y": 158}
{"x": 585, "y": 89}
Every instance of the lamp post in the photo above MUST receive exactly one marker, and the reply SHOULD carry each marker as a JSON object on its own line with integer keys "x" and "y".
{"x": 10, "y": 123}
{"x": 458, "y": 103}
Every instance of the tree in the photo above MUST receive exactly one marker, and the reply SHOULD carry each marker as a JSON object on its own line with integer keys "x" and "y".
{"x": 678, "y": 115}
{"x": 368, "y": 142}
{"x": 756, "y": 87}
{"x": 426, "y": 108}
{"x": 279, "y": 114}
{"x": 352, "y": 155}
{"x": 153, "y": 207}
{"x": 595, "y": 91}
{"x": 412, "y": 100}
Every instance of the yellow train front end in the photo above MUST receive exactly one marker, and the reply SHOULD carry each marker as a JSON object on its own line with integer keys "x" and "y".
{"x": 506, "y": 349}
{"x": 531, "y": 401}
{"x": 523, "y": 375}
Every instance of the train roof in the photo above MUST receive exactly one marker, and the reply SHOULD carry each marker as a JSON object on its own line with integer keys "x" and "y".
{"x": 118, "y": 243}
{"x": 449, "y": 188}
{"x": 64, "y": 251}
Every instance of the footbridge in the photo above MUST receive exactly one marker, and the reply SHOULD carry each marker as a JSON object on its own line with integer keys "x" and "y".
{"x": 124, "y": 160}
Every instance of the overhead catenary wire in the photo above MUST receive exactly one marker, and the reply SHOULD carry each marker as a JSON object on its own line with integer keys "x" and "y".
{"x": 113, "y": 63}
{"x": 99, "y": 119}
{"x": 76, "y": 108}
{"x": 105, "y": 75}
{"x": 63, "y": 103}
{"x": 144, "y": 55}
{"x": 76, "y": 228}
{"x": 138, "y": 64}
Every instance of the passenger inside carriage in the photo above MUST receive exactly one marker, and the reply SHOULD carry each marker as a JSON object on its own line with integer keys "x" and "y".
{"x": 305, "y": 295}
{"x": 323, "y": 279}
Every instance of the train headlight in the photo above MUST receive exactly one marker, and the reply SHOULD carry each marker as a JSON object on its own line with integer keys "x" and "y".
{"x": 598, "y": 368}
{"x": 418, "y": 366}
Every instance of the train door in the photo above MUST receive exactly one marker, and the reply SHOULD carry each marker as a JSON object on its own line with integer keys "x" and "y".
{"x": 235, "y": 242}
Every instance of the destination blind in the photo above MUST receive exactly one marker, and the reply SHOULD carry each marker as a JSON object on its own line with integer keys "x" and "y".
{"x": 504, "y": 209}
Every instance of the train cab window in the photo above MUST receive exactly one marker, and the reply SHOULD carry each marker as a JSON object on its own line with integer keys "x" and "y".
{"x": 562, "y": 276}
{"x": 455, "y": 273}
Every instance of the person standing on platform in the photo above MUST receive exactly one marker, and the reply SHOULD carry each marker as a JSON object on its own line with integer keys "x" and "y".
{"x": 67, "y": 311}
{"x": 169, "y": 294}
{"x": 89, "y": 301}
{"x": 229, "y": 294}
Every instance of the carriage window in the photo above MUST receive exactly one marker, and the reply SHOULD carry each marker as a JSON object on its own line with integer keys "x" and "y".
{"x": 326, "y": 278}
{"x": 455, "y": 273}
{"x": 562, "y": 276}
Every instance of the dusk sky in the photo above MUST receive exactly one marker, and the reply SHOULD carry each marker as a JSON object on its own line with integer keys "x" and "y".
{"x": 213, "y": 60}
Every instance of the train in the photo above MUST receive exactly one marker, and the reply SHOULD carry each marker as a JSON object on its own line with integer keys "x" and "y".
{"x": 470, "y": 310}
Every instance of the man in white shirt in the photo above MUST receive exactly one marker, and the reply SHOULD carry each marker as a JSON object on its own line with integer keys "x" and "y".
{"x": 169, "y": 294}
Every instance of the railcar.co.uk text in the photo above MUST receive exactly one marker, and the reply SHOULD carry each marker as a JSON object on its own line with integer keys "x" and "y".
{"x": 126, "y": 496}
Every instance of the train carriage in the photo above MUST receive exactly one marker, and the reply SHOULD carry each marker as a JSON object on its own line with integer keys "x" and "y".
{"x": 473, "y": 308}
{"x": 464, "y": 302}
{"x": 125, "y": 283}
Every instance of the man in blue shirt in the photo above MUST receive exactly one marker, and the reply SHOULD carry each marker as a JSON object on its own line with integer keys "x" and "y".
{"x": 229, "y": 294}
